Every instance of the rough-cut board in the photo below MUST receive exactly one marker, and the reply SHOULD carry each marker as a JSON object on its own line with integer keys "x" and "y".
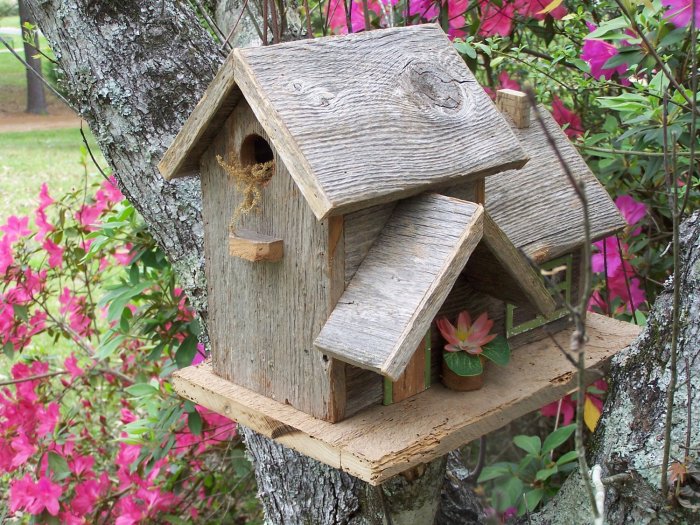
{"x": 397, "y": 290}
{"x": 372, "y": 117}
{"x": 255, "y": 341}
{"x": 383, "y": 441}
{"x": 516, "y": 105}
{"x": 536, "y": 206}
{"x": 205, "y": 121}
{"x": 253, "y": 246}
{"x": 499, "y": 269}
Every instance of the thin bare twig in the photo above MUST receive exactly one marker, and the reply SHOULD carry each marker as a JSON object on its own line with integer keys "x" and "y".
{"x": 89, "y": 150}
{"x": 672, "y": 186}
{"x": 578, "y": 312}
{"x": 213, "y": 25}
{"x": 480, "y": 462}
{"x": 32, "y": 378}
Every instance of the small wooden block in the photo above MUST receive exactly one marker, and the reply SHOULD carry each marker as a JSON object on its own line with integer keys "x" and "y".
{"x": 415, "y": 378}
{"x": 253, "y": 246}
{"x": 516, "y": 105}
{"x": 382, "y": 441}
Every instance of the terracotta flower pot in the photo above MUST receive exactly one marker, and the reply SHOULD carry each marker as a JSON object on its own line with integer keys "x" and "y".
{"x": 461, "y": 383}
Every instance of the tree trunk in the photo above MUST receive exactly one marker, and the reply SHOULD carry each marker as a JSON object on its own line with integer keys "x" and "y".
{"x": 36, "y": 97}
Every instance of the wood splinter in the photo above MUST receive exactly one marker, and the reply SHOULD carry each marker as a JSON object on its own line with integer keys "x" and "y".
{"x": 255, "y": 247}
{"x": 514, "y": 104}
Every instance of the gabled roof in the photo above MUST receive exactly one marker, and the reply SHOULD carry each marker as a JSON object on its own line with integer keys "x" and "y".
{"x": 358, "y": 119}
{"x": 397, "y": 291}
{"x": 537, "y": 207}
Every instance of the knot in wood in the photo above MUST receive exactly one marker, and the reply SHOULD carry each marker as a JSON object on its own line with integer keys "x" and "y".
{"x": 431, "y": 87}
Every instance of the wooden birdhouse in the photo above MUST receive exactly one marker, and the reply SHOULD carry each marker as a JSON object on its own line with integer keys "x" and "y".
{"x": 355, "y": 188}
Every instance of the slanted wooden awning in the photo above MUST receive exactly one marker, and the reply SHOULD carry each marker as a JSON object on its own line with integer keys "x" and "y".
{"x": 398, "y": 289}
{"x": 353, "y": 116}
{"x": 407, "y": 274}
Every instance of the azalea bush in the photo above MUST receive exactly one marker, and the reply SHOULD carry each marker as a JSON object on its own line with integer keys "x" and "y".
{"x": 92, "y": 325}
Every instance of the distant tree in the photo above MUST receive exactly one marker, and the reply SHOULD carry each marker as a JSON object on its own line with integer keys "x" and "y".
{"x": 36, "y": 97}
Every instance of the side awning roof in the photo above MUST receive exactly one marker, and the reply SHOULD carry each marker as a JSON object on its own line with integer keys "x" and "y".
{"x": 391, "y": 301}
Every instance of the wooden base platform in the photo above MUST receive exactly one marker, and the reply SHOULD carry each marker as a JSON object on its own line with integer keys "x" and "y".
{"x": 383, "y": 441}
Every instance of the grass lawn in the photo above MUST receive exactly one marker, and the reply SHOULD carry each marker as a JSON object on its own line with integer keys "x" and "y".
{"x": 30, "y": 158}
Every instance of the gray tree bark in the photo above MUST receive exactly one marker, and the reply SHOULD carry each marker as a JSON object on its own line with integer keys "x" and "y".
{"x": 36, "y": 97}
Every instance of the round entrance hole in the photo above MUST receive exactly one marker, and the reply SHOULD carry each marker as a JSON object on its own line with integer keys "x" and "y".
{"x": 255, "y": 150}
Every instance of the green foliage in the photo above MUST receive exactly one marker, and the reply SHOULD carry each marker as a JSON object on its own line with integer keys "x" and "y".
{"x": 465, "y": 364}
{"x": 535, "y": 478}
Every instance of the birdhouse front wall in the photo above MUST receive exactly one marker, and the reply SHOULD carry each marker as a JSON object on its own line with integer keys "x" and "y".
{"x": 264, "y": 315}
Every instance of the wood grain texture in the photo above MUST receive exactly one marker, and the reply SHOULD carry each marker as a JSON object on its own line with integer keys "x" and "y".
{"x": 392, "y": 299}
{"x": 536, "y": 206}
{"x": 516, "y": 105}
{"x": 412, "y": 381}
{"x": 499, "y": 269}
{"x": 362, "y": 228}
{"x": 204, "y": 123}
{"x": 372, "y": 117}
{"x": 263, "y": 318}
{"x": 253, "y": 246}
{"x": 383, "y": 441}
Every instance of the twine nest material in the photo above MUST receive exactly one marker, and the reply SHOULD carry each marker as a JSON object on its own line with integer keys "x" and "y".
{"x": 249, "y": 181}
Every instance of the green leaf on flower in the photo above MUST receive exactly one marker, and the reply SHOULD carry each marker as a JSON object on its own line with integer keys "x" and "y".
{"x": 570, "y": 456}
{"x": 546, "y": 473}
{"x": 465, "y": 49}
{"x": 59, "y": 466}
{"x": 530, "y": 500}
{"x": 557, "y": 437}
{"x": 464, "y": 364}
{"x": 194, "y": 423}
{"x": 185, "y": 352}
{"x": 497, "y": 351}
{"x": 530, "y": 444}
{"x": 495, "y": 471}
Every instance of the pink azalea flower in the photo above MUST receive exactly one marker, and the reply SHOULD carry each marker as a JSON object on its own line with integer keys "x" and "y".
{"x": 16, "y": 228}
{"x": 534, "y": 8}
{"x": 71, "y": 364}
{"x": 49, "y": 419}
{"x": 86, "y": 494}
{"x": 21, "y": 493}
{"x": 23, "y": 448}
{"x": 596, "y": 53}
{"x": 111, "y": 191}
{"x": 55, "y": 253}
{"x": 6, "y": 255}
{"x": 680, "y": 12}
{"x": 82, "y": 465}
{"x": 337, "y": 21}
{"x": 633, "y": 211}
{"x": 466, "y": 337}
{"x": 40, "y": 219}
{"x": 568, "y": 404}
{"x": 429, "y": 11}
{"x": 44, "y": 496}
{"x": 566, "y": 117}
{"x": 505, "y": 82}
{"x": 496, "y": 20}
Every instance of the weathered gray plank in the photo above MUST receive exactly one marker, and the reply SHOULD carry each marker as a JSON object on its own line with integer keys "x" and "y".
{"x": 393, "y": 297}
{"x": 361, "y": 230}
{"x": 263, "y": 317}
{"x": 536, "y": 206}
{"x": 203, "y": 124}
{"x": 372, "y": 117}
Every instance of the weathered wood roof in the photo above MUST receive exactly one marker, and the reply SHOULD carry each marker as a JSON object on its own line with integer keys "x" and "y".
{"x": 403, "y": 281}
{"x": 359, "y": 119}
{"x": 537, "y": 207}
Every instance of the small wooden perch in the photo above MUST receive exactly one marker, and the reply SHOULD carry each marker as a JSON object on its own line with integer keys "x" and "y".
{"x": 383, "y": 441}
{"x": 253, "y": 246}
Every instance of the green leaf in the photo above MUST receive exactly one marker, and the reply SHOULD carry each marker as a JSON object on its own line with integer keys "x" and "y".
{"x": 134, "y": 274}
{"x": 570, "y": 456}
{"x": 609, "y": 26}
{"x": 530, "y": 500}
{"x": 108, "y": 347}
{"x": 465, "y": 49}
{"x": 495, "y": 471}
{"x": 463, "y": 364}
{"x": 59, "y": 466}
{"x": 141, "y": 390}
{"x": 530, "y": 444}
{"x": 194, "y": 423}
{"x": 185, "y": 352}
{"x": 557, "y": 437}
{"x": 546, "y": 473}
{"x": 21, "y": 312}
{"x": 497, "y": 351}
{"x": 513, "y": 492}
{"x": 9, "y": 350}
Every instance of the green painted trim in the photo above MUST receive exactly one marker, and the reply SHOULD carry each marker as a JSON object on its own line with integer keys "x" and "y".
{"x": 428, "y": 359}
{"x": 540, "y": 320}
{"x": 388, "y": 391}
